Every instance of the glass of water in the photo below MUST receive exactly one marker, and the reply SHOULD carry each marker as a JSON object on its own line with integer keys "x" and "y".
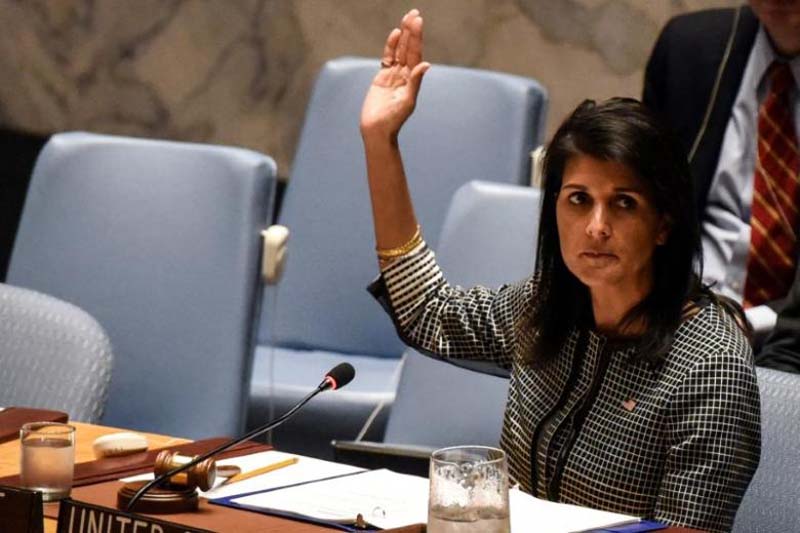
{"x": 468, "y": 491}
{"x": 47, "y": 458}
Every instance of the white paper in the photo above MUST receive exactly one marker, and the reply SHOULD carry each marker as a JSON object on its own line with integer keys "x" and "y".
{"x": 304, "y": 470}
{"x": 532, "y": 514}
{"x": 384, "y": 499}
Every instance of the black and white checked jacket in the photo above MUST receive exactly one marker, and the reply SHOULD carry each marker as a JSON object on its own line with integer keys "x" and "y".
{"x": 678, "y": 443}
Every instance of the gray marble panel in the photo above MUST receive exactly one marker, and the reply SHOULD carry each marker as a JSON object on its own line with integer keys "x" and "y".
{"x": 240, "y": 71}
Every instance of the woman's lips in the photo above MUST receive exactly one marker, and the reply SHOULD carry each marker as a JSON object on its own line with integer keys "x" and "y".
{"x": 598, "y": 258}
{"x": 598, "y": 254}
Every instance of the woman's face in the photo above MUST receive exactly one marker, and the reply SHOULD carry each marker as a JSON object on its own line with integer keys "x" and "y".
{"x": 608, "y": 227}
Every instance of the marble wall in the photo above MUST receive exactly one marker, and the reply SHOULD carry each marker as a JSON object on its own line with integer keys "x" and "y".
{"x": 240, "y": 71}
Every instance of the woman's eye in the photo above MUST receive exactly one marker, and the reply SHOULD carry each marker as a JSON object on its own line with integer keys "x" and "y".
{"x": 626, "y": 202}
{"x": 577, "y": 198}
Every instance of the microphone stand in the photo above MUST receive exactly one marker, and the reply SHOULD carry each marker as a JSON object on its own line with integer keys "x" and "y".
{"x": 252, "y": 434}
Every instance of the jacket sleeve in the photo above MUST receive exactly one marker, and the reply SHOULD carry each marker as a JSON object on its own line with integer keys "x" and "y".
{"x": 714, "y": 444}
{"x": 448, "y": 321}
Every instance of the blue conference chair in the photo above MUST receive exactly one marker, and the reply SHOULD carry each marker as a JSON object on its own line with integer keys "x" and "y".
{"x": 489, "y": 238}
{"x": 468, "y": 124}
{"x": 53, "y": 355}
{"x": 160, "y": 241}
{"x": 772, "y": 502}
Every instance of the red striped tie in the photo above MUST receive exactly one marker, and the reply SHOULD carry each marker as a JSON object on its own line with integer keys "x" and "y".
{"x": 774, "y": 218}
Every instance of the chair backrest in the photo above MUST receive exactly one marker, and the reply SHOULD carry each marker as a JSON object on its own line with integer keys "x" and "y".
{"x": 489, "y": 238}
{"x": 160, "y": 241}
{"x": 772, "y": 502}
{"x": 468, "y": 124}
{"x": 53, "y": 355}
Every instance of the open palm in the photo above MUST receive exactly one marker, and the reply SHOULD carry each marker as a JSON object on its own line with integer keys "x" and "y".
{"x": 393, "y": 94}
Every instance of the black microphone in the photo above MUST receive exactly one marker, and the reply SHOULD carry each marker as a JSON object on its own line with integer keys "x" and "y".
{"x": 336, "y": 378}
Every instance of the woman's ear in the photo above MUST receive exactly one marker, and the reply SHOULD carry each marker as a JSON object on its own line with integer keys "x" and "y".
{"x": 664, "y": 229}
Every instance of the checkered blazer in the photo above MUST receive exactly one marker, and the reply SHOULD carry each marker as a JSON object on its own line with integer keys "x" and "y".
{"x": 678, "y": 442}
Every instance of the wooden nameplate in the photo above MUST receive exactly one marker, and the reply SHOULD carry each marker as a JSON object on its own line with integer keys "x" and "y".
{"x": 82, "y": 517}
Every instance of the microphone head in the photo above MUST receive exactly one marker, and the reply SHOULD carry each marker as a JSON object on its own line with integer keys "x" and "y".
{"x": 340, "y": 375}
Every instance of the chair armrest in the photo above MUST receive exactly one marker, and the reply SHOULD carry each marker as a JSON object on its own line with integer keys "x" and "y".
{"x": 403, "y": 458}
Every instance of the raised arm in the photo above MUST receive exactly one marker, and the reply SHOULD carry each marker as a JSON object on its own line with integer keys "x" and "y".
{"x": 429, "y": 314}
{"x": 389, "y": 102}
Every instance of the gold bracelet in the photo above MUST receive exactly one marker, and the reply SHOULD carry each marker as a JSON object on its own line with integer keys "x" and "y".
{"x": 391, "y": 253}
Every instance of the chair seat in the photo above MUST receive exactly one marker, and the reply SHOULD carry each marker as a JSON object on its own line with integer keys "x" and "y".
{"x": 772, "y": 502}
{"x": 332, "y": 415}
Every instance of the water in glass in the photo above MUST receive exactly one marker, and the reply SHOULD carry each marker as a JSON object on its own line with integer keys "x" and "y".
{"x": 459, "y": 520}
{"x": 47, "y": 463}
{"x": 468, "y": 491}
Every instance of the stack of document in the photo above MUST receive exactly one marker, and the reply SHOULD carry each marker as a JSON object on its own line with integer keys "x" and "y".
{"x": 532, "y": 514}
{"x": 335, "y": 495}
{"x": 382, "y": 498}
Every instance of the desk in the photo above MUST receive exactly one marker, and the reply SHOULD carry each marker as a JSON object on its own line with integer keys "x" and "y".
{"x": 85, "y": 435}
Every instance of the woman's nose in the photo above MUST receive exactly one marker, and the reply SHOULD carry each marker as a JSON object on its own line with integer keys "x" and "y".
{"x": 598, "y": 226}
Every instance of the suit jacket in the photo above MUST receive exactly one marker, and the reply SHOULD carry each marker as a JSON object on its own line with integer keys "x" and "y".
{"x": 679, "y": 83}
{"x": 680, "y": 77}
{"x": 596, "y": 426}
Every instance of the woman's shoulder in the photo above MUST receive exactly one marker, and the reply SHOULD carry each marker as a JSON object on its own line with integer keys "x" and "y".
{"x": 710, "y": 331}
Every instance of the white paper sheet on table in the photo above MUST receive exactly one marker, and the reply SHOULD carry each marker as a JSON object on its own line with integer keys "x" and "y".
{"x": 384, "y": 499}
{"x": 532, "y": 514}
{"x": 304, "y": 470}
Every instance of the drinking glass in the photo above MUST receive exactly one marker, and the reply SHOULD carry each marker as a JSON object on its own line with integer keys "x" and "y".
{"x": 468, "y": 491}
{"x": 47, "y": 458}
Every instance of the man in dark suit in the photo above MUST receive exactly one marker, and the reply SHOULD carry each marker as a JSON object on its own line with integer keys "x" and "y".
{"x": 722, "y": 78}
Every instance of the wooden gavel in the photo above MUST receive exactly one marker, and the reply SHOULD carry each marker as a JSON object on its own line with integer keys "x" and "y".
{"x": 177, "y": 495}
{"x": 201, "y": 475}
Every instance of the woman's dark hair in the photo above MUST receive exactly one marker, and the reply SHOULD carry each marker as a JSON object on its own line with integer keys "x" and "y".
{"x": 621, "y": 130}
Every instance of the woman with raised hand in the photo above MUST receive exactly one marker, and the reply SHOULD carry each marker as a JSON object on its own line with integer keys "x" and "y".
{"x": 632, "y": 386}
